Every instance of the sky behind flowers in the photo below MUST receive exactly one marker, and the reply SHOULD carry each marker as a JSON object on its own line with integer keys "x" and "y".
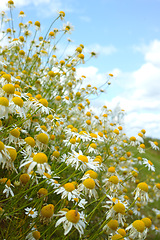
{"x": 126, "y": 36}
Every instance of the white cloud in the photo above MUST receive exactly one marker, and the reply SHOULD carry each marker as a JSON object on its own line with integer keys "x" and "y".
{"x": 140, "y": 96}
{"x": 85, "y": 19}
{"x": 44, "y": 8}
{"x": 102, "y": 50}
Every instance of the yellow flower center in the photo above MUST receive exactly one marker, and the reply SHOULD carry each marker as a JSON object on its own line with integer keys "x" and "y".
{"x": 44, "y": 128}
{"x": 40, "y": 158}
{"x": 121, "y": 231}
{"x": 147, "y": 222}
{"x": 93, "y": 145}
{"x": 30, "y": 141}
{"x": 7, "y": 77}
{"x": 44, "y": 102}
{"x": 142, "y": 146}
{"x": 113, "y": 224}
{"x": 111, "y": 169}
{"x": 81, "y": 56}
{"x": 100, "y": 134}
{"x": 9, "y": 88}
{"x": 37, "y": 23}
{"x": 1, "y": 146}
{"x": 117, "y": 237}
{"x": 36, "y": 234}
{"x": 4, "y": 180}
{"x": 47, "y": 211}
{"x": 18, "y": 101}
{"x": 143, "y": 186}
{"x": 72, "y": 140}
{"x": 116, "y": 131}
{"x": 43, "y": 138}
{"x": 157, "y": 185}
{"x": 12, "y": 153}
{"x": 83, "y": 158}
{"x": 88, "y": 122}
{"x": 56, "y": 154}
{"x": 119, "y": 208}
{"x": 73, "y": 216}
{"x": 93, "y": 135}
{"x": 89, "y": 183}
{"x": 24, "y": 178}
{"x": 92, "y": 174}
{"x": 69, "y": 187}
{"x": 58, "y": 98}
{"x": 132, "y": 139}
{"x": 4, "y": 101}
{"x": 114, "y": 179}
{"x": 150, "y": 162}
{"x": 43, "y": 191}
{"x": 15, "y": 133}
{"x": 156, "y": 143}
{"x": 139, "y": 225}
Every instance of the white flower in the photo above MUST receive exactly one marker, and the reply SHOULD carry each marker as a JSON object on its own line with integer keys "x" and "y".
{"x": 71, "y": 218}
{"x": 31, "y": 212}
{"x": 154, "y": 145}
{"x": 88, "y": 187}
{"x": 148, "y": 164}
{"x": 137, "y": 230}
{"x": 40, "y": 160}
{"x": 80, "y": 161}
{"x": 68, "y": 190}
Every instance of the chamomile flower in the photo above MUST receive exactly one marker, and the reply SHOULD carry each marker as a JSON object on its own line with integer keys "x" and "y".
{"x": 67, "y": 190}
{"x": 34, "y": 235}
{"x": 46, "y": 213}
{"x": 7, "y": 187}
{"x": 148, "y": 164}
{"x": 39, "y": 160}
{"x": 79, "y": 161}
{"x": 142, "y": 192}
{"x": 71, "y": 218}
{"x": 117, "y": 211}
{"x": 88, "y": 188}
{"x": 4, "y": 107}
{"x": 136, "y": 230}
{"x": 50, "y": 180}
{"x": 31, "y": 212}
{"x": 154, "y": 145}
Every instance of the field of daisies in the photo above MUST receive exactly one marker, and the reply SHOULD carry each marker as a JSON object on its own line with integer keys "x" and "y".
{"x": 66, "y": 172}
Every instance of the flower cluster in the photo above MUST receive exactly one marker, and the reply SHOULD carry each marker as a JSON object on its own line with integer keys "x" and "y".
{"x": 64, "y": 169}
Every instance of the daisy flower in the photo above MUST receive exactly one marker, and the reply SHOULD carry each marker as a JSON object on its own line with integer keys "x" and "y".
{"x": 71, "y": 218}
{"x": 117, "y": 211}
{"x": 68, "y": 190}
{"x": 31, "y": 212}
{"x": 136, "y": 230}
{"x": 148, "y": 164}
{"x": 88, "y": 187}
{"x": 34, "y": 235}
{"x": 79, "y": 161}
{"x": 7, "y": 189}
{"x": 51, "y": 181}
{"x": 39, "y": 160}
{"x": 142, "y": 192}
{"x": 154, "y": 145}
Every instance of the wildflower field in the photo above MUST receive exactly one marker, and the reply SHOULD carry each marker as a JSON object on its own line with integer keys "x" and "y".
{"x": 67, "y": 172}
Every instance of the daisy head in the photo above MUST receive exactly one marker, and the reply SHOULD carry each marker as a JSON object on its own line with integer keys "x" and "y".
{"x": 46, "y": 213}
{"x": 31, "y": 212}
{"x": 71, "y": 218}
{"x": 39, "y": 160}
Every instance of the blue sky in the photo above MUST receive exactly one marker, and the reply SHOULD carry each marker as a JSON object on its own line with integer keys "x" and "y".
{"x": 126, "y": 35}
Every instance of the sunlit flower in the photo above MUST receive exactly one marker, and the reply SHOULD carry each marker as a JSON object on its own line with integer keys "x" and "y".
{"x": 71, "y": 218}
